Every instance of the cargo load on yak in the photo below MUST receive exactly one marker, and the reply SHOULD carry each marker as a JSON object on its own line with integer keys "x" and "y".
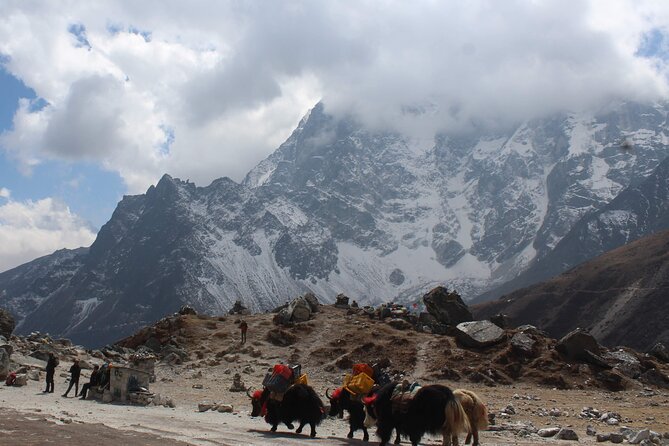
{"x": 402, "y": 395}
{"x": 282, "y": 377}
{"x": 360, "y": 382}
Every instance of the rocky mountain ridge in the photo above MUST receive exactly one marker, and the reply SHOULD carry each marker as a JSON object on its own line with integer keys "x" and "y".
{"x": 341, "y": 208}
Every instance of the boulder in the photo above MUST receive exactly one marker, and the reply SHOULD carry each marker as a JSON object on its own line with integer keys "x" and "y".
{"x": 616, "y": 437}
{"x": 479, "y": 334}
{"x": 225, "y": 408}
{"x": 655, "y": 378}
{"x": 400, "y": 324}
{"x": 612, "y": 380}
{"x": 33, "y": 375}
{"x": 313, "y": 302}
{"x": 341, "y": 301}
{"x": 531, "y": 329}
{"x": 523, "y": 344}
{"x": 640, "y": 436}
{"x": 660, "y": 351}
{"x": 300, "y": 310}
{"x": 501, "y": 320}
{"x": 447, "y": 307}
{"x": 7, "y": 323}
{"x": 625, "y": 362}
{"x": 203, "y": 407}
{"x": 578, "y": 345}
{"x": 282, "y": 317}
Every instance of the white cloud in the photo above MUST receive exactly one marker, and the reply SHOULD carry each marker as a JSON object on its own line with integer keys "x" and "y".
{"x": 36, "y": 228}
{"x": 230, "y": 80}
{"x": 5, "y": 193}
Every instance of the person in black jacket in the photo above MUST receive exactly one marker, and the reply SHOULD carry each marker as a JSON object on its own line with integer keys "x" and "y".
{"x": 94, "y": 381}
{"x": 75, "y": 372}
{"x": 51, "y": 365}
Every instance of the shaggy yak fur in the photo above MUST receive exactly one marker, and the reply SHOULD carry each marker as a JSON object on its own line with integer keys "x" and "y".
{"x": 433, "y": 409}
{"x": 341, "y": 400}
{"x": 299, "y": 403}
{"x": 476, "y": 411}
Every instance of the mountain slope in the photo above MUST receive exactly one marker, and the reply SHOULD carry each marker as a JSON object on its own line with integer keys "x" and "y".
{"x": 620, "y": 297}
{"x": 342, "y": 208}
{"x": 639, "y": 210}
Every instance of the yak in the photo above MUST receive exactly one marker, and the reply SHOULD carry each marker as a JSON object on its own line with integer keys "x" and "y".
{"x": 432, "y": 409}
{"x": 477, "y": 414}
{"x": 341, "y": 400}
{"x": 299, "y": 403}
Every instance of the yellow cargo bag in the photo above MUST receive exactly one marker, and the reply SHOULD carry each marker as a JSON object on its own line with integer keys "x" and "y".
{"x": 359, "y": 384}
{"x": 302, "y": 379}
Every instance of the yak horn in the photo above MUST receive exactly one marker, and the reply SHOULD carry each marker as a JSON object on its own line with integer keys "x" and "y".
{"x": 326, "y": 393}
{"x": 248, "y": 394}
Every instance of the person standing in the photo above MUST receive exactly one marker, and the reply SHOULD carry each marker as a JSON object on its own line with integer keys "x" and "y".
{"x": 75, "y": 373}
{"x": 51, "y": 365}
{"x": 243, "y": 327}
{"x": 94, "y": 381}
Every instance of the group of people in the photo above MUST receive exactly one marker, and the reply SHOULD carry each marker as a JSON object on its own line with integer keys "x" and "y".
{"x": 75, "y": 374}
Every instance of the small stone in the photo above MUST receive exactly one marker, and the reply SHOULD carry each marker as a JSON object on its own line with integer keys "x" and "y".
{"x": 198, "y": 386}
{"x": 203, "y": 407}
{"x": 603, "y": 437}
{"x": 225, "y": 408}
{"x": 616, "y": 437}
{"x": 566, "y": 434}
{"x": 612, "y": 421}
{"x": 548, "y": 432}
{"x": 555, "y": 412}
{"x": 590, "y": 430}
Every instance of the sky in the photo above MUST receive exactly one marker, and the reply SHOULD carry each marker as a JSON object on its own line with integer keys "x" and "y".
{"x": 100, "y": 99}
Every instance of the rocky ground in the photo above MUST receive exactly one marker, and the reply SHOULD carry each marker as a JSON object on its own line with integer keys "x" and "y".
{"x": 528, "y": 386}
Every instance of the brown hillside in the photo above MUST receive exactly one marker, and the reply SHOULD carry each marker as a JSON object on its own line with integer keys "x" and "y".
{"x": 620, "y": 297}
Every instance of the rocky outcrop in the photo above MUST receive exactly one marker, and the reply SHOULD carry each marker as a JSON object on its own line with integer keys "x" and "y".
{"x": 578, "y": 345}
{"x": 478, "y": 334}
{"x": 7, "y": 324}
{"x": 447, "y": 307}
{"x": 299, "y": 309}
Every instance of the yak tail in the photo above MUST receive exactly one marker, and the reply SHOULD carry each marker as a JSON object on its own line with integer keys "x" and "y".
{"x": 456, "y": 418}
{"x": 476, "y": 408}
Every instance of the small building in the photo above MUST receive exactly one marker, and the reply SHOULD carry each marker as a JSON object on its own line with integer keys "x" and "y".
{"x": 124, "y": 380}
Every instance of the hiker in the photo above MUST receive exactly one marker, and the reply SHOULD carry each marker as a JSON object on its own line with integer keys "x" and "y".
{"x": 243, "y": 327}
{"x": 93, "y": 381}
{"x": 75, "y": 373}
{"x": 51, "y": 365}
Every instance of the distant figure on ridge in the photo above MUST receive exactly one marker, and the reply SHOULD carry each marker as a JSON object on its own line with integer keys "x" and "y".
{"x": 51, "y": 365}
{"x": 92, "y": 382}
{"x": 75, "y": 373}
{"x": 243, "y": 327}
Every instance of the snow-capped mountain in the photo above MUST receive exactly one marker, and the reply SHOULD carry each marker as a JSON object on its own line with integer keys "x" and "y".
{"x": 341, "y": 208}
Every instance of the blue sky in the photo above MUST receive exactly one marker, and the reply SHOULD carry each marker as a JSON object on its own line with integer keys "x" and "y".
{"x": 100, "y": 99}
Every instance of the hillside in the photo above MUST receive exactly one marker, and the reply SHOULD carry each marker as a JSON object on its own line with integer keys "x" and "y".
{"x": 620, "y": 297}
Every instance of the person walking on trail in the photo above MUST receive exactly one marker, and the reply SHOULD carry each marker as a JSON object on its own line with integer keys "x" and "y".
{"x": 51, "y": 365}
{"x": 243, "y": 327}
{"x": 92, "y": 382}
{"x": 75, "y": 373}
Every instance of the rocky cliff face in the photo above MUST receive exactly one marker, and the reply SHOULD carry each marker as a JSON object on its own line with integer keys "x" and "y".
{"x": 341, "y": 208}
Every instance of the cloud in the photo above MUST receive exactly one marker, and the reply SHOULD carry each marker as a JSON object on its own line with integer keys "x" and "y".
{"x": 5, "y": 193}
{"x": 208, "y": 89}
{"x": 35, "y": 228}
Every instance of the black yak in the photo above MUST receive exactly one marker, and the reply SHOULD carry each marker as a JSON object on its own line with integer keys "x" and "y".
{"x": 299, "y": 403}
{"x": 432, "y": 409}
{"x": 341, "y": 400}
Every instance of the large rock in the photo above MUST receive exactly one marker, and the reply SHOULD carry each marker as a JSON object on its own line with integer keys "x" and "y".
{"x": 523, "y": 344}
{"x": 660, "y": 351}
{"x": 447, "y": 308}
{"x": 7, "y": 323}
{"x": 578, "y": 345}
{"x": 566, "y": 434}
{"x": 300, "y": 310}
{"x": 479, "y": 334}
{"x": 313, "y": 302}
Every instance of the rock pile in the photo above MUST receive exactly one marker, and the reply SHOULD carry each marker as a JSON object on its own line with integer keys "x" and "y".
{"x": 298, "y": 310}
{"x": 7, "y": 324}
{"x": 446, "y": 307}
